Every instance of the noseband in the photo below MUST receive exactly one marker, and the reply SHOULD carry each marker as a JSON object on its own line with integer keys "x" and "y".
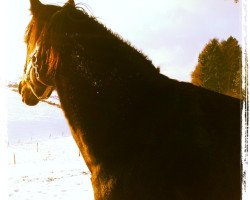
{"x": 32, "y": 67}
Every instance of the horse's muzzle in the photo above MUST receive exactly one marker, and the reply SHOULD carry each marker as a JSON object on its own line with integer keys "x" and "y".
{"x": 27, "y": 95}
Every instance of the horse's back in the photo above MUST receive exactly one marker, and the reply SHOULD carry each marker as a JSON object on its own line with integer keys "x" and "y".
{"x": 188, "y": 144}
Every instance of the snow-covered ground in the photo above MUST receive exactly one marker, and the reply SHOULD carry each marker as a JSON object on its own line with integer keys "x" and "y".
{"x": 29, "y": 123}
{"x": 50, "y": 169}
{"x": 43, "y": 159}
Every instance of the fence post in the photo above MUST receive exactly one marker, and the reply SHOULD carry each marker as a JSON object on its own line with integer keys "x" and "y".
{"x": 14, "y": 158}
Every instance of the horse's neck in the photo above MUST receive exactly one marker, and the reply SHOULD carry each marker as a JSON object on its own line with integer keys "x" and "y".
{"x": 99, "y": 85}
{"x": 99, "y": 75}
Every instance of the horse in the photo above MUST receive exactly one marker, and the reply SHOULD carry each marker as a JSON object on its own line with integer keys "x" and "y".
{"x": 143, "y": 136}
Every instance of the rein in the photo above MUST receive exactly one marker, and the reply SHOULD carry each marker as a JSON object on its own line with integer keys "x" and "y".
{"x": 32, "y": 65}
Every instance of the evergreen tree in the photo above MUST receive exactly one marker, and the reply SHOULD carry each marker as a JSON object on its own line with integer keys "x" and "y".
{"x": 232, "y": 73}
{"x": 196, "y": 76}
{"x": 219, "y": 67}
{"x": 210, "y": 63}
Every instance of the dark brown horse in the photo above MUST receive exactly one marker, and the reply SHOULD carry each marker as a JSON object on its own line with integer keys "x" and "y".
{"x": 142, "y": 135}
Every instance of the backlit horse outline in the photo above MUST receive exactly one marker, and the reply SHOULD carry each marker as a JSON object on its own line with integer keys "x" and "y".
{"x": 142, "y": 135}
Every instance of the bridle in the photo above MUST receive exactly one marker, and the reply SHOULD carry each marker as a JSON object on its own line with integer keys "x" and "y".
{"x": 32, "y": 67}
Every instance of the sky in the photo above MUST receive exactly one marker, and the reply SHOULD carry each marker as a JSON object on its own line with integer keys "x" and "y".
{"x": 170, "y": 33}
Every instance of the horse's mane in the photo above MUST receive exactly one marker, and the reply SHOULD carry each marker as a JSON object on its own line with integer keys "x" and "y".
{"x": 56, "y": 34}
{"x": 66, "y": 27}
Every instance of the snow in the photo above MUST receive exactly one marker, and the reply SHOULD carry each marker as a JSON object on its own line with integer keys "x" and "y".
{"x": 49, "y": 169}
{"x": 33, "y": 122}
{"x": 42, "y": 157}
{"x": 3, "y": 144}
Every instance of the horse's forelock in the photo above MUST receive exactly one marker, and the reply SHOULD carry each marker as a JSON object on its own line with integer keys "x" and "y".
{"x": 52, "y": 33}
{"x": 31, "y": 35}
{"x": 37, "y": 29}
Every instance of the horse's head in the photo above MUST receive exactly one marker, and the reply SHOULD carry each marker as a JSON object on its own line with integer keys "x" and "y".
{"x": 38, "y": 79}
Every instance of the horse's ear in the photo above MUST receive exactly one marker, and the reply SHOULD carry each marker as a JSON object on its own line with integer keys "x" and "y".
{"x": 35, "y": 5}
{"x": 71, "y": 2}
